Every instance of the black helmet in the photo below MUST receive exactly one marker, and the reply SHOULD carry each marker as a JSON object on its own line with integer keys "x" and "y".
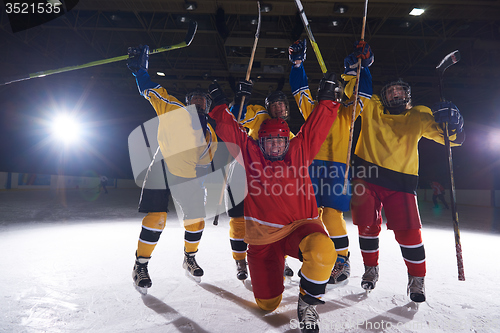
{"x": 398, "y": 101}
{"x": 277, "y": 96}
{"x": 202, "y": 93}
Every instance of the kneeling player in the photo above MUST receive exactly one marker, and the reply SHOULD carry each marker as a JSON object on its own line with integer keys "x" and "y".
{"x": 281, "y": 215}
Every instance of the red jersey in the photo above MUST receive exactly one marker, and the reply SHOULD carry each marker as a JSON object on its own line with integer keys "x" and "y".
{"x": 437, "y": 188}
{"x": 280, "y": 196}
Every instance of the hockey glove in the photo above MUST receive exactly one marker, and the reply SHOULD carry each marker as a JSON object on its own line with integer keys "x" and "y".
{"x": 138, "y": 58}
{"x": 350, "y": 65}
{"x": 329, "y": 88}
{"x": 447, "y": 112}
{"x": 297, "y": 51}
{"x": 243, "y": 88}
{"x": 361, "y": 51}
{"x": 218, "y": 96}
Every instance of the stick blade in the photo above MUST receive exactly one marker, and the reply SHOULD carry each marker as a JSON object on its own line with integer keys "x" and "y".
{"x": 447, "y": 61}
{"x": 10, "y": 80}
{"x": 257, "y": 33}
{"x": 193, "y": 26}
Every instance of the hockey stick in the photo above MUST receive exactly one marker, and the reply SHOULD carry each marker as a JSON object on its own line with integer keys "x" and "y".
{"x": 310, "y": 35}
{"x": 447, "y": 61}
{"x": 193, "y": 26}
{"x": 247, "y": 77}
{"x": 250, "y": 63}
{"x": 356, "y": 93}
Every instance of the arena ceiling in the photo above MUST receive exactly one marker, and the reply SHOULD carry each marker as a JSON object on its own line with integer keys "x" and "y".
{"x": 106, "y": 95}
{"x": 404, "y": 46}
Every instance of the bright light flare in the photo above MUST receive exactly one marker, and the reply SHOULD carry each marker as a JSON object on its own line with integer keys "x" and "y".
{"x": 494, "y": 140}
{"x": 66, "y": 129}
{"x": 417, "y": 11}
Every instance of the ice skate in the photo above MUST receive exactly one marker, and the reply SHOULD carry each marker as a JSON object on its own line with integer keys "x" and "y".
{"x": 370, "y": 278}
{"x": 287, "y": 273}
{"x": 341, "y": 271}
{"x": 416, "y": 288}
{"x": 241, "y": 269}
{"x": 308, "y": 316}
{"x": 140, "y": 275}
{"x": 193, "y": 270}
{"x": 248, "y": 284}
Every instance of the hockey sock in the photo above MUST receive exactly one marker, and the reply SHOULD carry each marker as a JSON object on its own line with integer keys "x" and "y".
{"x": 335, "y": 224}
{"x": 412, "y": 249}
{"x": 369, "y": 244}
{"x": 236, "y": 236}
{"x": 152, "y": 227}
{"x": 192, "y": 235}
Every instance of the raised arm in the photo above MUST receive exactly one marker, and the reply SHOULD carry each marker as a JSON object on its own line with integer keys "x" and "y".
{"x": 158, "y": 96}
{"x": 226, "y": 126}
{"x": 315, "y": 130}
{"x": 298, "y": 79}
{"x": 252, "y": 116}
{"x": 361, "y": 51}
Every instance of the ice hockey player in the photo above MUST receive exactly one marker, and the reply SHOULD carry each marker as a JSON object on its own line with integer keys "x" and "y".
{"x": 252, "y": 116}
{"x": 183, "y": 167}
{"x": 281, "y": 215}
{"x": 329, "y": 166}
{"x": 103, "y": 183}
{"x": 386, "y": 173}
{"x": 438, "y": 193}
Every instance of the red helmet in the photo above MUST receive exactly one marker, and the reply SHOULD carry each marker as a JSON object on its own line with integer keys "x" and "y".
{"x": 269, "y": 132}
{"x": 275, "y": 127}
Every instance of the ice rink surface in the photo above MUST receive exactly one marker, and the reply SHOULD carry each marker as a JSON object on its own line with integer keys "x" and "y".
{"x": 68, "y": 257}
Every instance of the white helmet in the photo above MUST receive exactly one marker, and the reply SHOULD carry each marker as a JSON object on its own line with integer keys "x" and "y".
{"x": 201, "y": 93}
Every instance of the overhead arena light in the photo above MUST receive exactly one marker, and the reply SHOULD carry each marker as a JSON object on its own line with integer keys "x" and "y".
{"x": 417, "y": 11}
{"x": 266, "y": 8}
{"x": 340, "y": 9}
{"x": 190, "y": 5}
{"x": 65, "y": 128}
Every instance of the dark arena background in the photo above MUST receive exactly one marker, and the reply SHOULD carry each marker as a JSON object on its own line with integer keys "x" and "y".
{"x": 68, "y": 251}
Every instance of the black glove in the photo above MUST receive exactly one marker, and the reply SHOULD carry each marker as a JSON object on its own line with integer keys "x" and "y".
{"x": 138, "y": 58}
{"x": 329, "y": 88}
{"x": 243, "y": 88}
{"x": 297, "y": 51}
{"x": 218, "y": 96}
{"x": 447, "y": 112}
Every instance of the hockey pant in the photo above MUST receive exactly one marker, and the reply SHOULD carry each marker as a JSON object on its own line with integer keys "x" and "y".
{"x": 401, "y": 211}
